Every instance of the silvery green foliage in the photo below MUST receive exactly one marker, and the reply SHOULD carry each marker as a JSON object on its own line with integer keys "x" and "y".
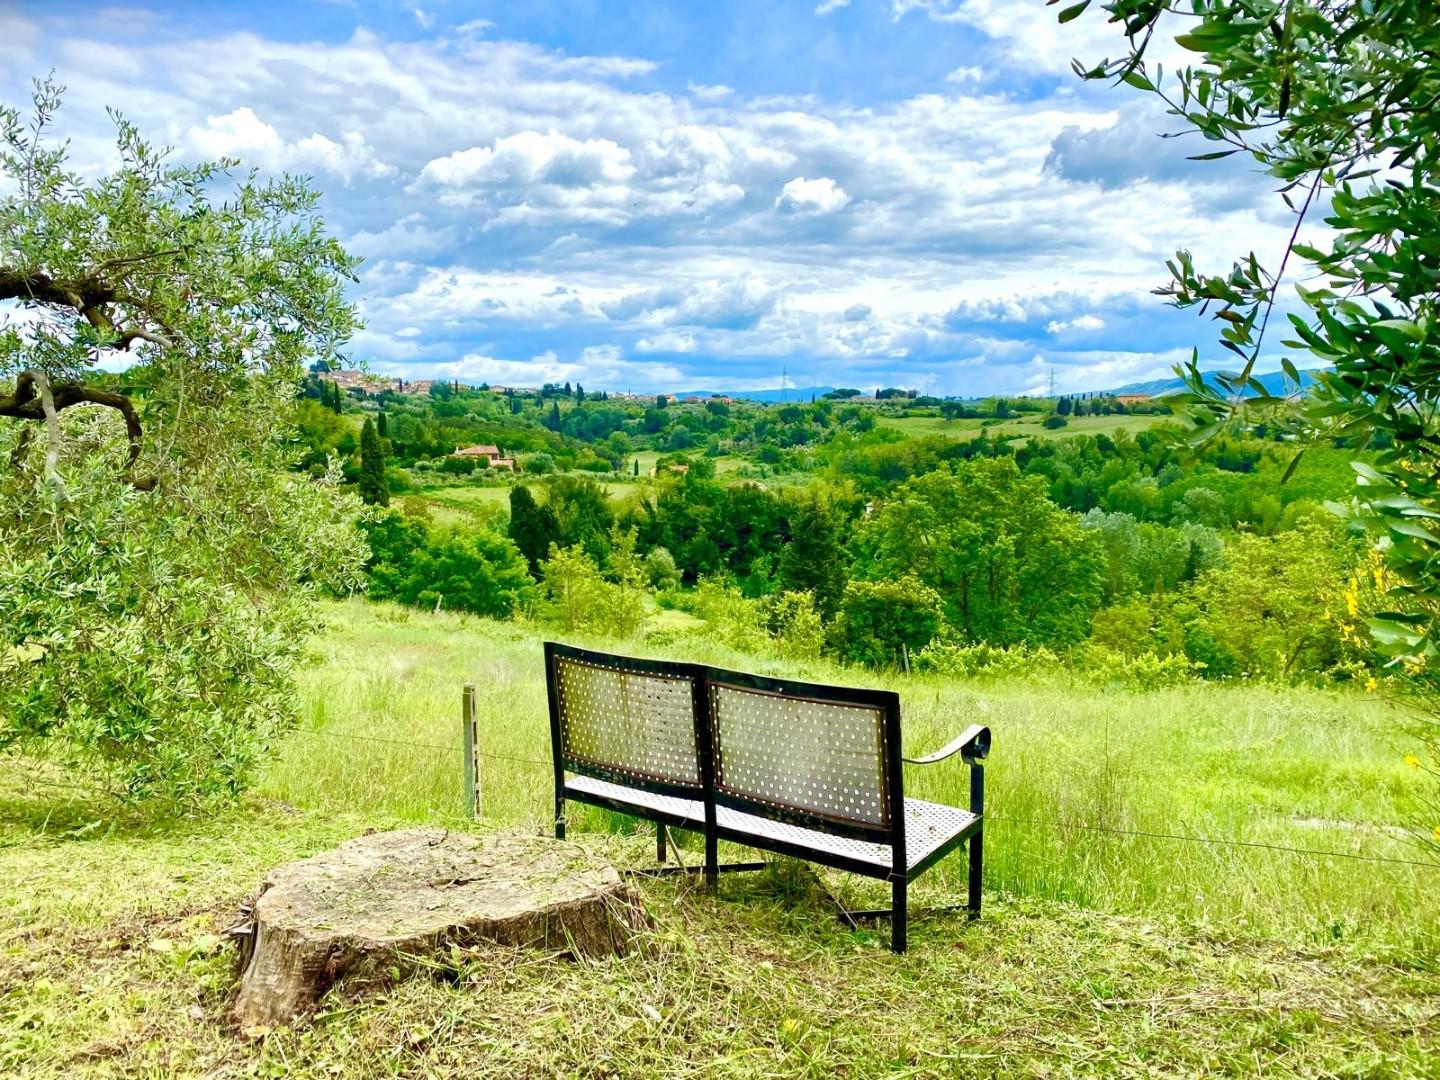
{"x": 152, "y": 614}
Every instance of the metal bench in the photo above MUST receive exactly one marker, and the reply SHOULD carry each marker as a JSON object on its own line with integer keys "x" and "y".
{"x": 798, "y": 769}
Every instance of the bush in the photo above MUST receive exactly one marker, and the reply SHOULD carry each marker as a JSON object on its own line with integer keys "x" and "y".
{"x": 880, "y": 622}
{"x": 729, "y": 617}
{"x": 459, "y": 466}
{"x": 1055, "y": 421}
{"x": 579, "y": 599}
{"x": 986, "y": 661}
{"x": 1147, "y": 671}
{"x": 660, "y": 570}
{"x": 794, "y": 625}
{"x": 539, "y": 464}
{"x": 474, "y": 570}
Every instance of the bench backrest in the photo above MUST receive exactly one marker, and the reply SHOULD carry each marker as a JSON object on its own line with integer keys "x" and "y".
{"x": 827, "y": 757}
{"x": 626, "y": 720}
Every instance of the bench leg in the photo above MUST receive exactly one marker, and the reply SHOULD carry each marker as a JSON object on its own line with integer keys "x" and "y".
{"x": 712, "y": 862}
{"x": 897, "y": 917}
{"x": 559, "y": 817}
{"x": 976, "y": 859}
{"x": 659, "y": 842}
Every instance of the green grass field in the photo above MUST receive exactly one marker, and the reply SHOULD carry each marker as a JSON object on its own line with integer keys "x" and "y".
{"x": 1028, "y": 426}
{"x": 1099, "y": 954}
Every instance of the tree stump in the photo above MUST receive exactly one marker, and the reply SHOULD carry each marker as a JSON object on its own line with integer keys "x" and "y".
{"x": 380, "y": 903}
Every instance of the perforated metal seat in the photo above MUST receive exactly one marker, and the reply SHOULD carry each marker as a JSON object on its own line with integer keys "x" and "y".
{"x": 681, "y": 813}
{"x": 930, "y": 830}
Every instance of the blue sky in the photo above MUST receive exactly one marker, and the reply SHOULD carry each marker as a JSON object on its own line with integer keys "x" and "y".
{"x": 657, "y": 196}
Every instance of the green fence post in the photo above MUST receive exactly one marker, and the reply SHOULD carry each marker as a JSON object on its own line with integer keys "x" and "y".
{"x": 469, "y": 736}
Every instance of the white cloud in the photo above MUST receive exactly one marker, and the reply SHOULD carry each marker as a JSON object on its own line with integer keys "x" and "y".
{"x": 819, "y": 196}
{"x": 242, "y": 134}
{"x": 1083, "y": 322}
{"x": 715, "y": 92}
{"x": 825, "y": 7}
{"x": 965, "y": 75}
{"x": 667, "y": 342}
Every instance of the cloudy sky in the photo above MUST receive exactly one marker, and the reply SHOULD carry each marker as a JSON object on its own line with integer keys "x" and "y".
{"x": 651, "y": 196}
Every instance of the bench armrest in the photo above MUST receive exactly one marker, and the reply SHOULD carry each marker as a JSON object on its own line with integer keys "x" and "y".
{"x": 973, "y": 745}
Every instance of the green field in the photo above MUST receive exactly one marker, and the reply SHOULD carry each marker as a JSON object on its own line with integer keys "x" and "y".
{"x": 1099, "y": 954}
{"x": 1028, "y": 426}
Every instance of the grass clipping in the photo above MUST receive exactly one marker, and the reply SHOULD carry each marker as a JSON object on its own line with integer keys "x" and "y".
{"x": 382, "y": 905}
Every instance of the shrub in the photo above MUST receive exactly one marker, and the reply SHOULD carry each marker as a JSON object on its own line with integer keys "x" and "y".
{"x": 986, "y": 661}
{"x": 660, "y": 570}
{"x": 1147, "y": 671}
{"x": 880, "y": 622}
{"x": 794, "y": 625}
{"x": 579, "y": 599}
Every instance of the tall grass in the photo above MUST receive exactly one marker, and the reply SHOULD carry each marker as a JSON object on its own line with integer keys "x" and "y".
{"x": 1290, "y": 767}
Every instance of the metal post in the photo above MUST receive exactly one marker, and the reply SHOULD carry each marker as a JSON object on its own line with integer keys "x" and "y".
{"x": 470, "y": 738}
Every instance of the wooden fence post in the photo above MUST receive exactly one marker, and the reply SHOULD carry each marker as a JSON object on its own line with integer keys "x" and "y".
{"x": 470, "y": 737}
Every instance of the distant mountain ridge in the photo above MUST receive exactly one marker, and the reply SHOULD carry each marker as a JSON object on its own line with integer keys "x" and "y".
{"x": 1276, "y": 383}
{"x": 789, "y": 393}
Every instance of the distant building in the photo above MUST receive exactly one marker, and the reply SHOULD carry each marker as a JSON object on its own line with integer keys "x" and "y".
{"x": 1132, "y": 399}
{"x": 491, "y": 454}
{"x": 419, "y": 386}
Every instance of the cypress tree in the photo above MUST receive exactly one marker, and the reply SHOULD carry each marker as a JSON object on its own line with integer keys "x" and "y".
{"x": 554, "y": 416}
{"x": 532, "y": 526}
{"x": 637, "y": 466}
{"x": 579, "y": 392}
{"x": 382, "y": 425}
{"x": 373, "y": 488}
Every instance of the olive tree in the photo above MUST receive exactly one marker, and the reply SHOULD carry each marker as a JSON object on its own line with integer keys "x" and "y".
{"x": 1336, "y": 101}
{"x": 157, "y": 554}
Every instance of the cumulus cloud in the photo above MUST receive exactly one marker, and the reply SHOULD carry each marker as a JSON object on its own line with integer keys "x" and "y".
{"x": 734, "y": 304}
{"x": 1082, "y": 322}
{"x": 667, "y": 342}
{"x": 819, "y": 196}
{"x": 242, "y": 134}
{"x": 709, "y": 93}
{"x": 825, "y": 7}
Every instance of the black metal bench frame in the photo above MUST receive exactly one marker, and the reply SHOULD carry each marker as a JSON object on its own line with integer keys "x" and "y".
{"x": 973, "y": 746}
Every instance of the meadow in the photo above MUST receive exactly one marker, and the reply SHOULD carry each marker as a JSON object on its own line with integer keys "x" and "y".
{"x": 1127, "y": 954}
{"x": 1028, "y": 426}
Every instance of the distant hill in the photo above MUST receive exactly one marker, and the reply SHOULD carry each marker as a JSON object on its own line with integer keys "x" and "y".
{"x": 1275, "y": 382}
{"x": 791, "y": 393}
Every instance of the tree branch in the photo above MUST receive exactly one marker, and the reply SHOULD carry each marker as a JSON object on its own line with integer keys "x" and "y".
{"x": 26, "y": 404}
{"x": 91, "y": 297}
{"x": 52, "y": 433}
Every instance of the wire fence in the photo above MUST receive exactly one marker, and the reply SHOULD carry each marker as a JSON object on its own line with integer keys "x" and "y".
{"x": 1000, "y": 819}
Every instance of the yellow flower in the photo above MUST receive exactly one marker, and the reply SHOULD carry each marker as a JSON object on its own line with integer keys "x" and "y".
{"x": 1436, "y": 834}
{"x": 1370, "y": 685}
{"x": 1412, "y": 761}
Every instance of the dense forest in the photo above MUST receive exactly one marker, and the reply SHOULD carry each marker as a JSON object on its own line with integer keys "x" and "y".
{"x": 894, "y": 531}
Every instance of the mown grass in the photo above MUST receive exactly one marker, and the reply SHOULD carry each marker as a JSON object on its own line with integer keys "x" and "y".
{"x": 112, "y": 962}
{"x": 1098, "y": 954}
